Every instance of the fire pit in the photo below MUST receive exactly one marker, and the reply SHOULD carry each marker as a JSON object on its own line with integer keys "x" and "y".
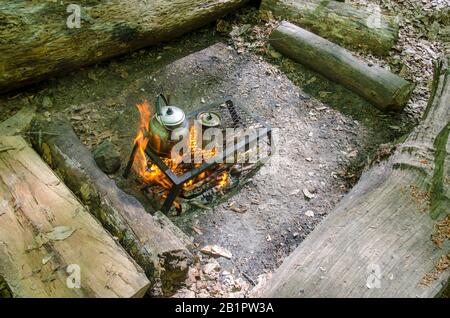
{"x": 226, "y": 143}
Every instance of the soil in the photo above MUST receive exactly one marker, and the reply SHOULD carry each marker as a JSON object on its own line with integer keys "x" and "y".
{"x": 326, "y": 134}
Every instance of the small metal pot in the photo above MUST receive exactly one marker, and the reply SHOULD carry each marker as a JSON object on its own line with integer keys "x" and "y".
{"x": 209, "y": 119}
{"x": 167, "y": 127}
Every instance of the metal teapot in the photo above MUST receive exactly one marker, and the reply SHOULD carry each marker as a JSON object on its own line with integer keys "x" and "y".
{"x": 167, "y": 127}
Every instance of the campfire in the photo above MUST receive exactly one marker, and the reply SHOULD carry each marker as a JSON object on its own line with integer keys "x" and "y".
{"x": 199, "y": 169}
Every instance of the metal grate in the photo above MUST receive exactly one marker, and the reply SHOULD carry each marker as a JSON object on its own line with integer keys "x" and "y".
{"x": 232, "y": 116}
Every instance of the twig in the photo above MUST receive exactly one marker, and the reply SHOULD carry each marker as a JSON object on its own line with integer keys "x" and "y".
{"x": 40, "y": 133}
{"x": 248, "y": 278}
{"x": 7, "y": 149}
{"x": 199, "y": 205}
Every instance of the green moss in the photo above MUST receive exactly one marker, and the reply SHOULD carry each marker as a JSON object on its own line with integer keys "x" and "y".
{"x": 4, "y": 290}
{"x": 47, "y": 154}
{"x": 85, "y": 192}
{"x": 439, "y": 202}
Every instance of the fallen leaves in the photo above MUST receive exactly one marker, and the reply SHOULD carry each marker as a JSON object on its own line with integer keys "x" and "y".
{"x": 420, "y": 41}
{"x": 442, "y": 265}
{"x": 442, "y": 232}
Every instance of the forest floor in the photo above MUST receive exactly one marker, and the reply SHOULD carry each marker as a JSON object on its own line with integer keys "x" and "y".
{"x": 342, "y": 130}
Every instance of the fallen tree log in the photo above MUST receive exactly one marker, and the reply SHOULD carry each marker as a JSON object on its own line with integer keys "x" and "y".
{"x": 384, "y": 89}
{"x": 33, "y": 48}
{"x": 46, "y": 236}
{"x": 149, "y": 241}
{"x": 389, "y": 236}
{"x": 18, "y": 123}
{"x": 342, "y": 23}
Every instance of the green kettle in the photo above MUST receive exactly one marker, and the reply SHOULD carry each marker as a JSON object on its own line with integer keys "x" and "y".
{"x": 167, "y": 127}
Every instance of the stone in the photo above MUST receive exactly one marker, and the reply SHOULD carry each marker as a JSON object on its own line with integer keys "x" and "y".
{"x": 211, "y": 269}
{"x": 107, "y": 157}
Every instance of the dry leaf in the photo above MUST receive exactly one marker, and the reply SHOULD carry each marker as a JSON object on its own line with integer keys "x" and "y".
{"x": 215, "y": 250}
{"x": 197, "y": 230}
{"x": 59, "y": 233}
{"x": 308, "y": 194}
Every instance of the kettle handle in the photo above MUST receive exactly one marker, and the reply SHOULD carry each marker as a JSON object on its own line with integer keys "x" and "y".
{"x": 158, "y": 103}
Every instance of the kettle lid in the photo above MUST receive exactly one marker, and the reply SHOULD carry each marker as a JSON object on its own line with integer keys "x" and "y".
{"x": 209, "y": 119}
{"x": 171, "y": 116}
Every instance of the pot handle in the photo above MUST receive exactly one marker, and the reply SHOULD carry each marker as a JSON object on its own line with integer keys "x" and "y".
{"x": 158, "y": 103}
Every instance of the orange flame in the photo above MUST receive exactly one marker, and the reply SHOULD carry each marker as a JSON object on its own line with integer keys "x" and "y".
{"x": 223, "y": 180}
{"x": 150, "y": 172}
{"x": 141, "y": 140}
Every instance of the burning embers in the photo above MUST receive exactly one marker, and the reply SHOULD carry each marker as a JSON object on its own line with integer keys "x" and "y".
{"x": 192, "y": 160}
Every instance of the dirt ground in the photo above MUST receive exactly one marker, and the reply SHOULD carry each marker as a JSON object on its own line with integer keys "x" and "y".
{"x": 320, "y": 151}
{"x": 326, "y": 136}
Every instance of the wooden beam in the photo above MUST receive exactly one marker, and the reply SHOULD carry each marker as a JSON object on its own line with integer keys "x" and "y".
{"x": 46, "y": 235}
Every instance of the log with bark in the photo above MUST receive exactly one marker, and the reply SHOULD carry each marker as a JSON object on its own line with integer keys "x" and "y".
{"x": 36, "y": 41}
{"x": 50, "y": 245}
{"x": 19, "y": 122}
{"x": 342, "y": 23}
{"x": 389, "y": 235}
{"x": 151, "y": 242}
{"x": 384, "y": 89}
